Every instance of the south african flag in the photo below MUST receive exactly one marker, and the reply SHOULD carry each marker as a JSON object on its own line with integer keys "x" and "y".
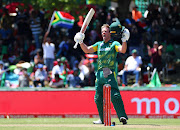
{"x": 63, "y": 19}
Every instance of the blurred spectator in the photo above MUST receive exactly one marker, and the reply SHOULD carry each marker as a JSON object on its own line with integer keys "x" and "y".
{"x": 24, "y": 78}
{"x": 6, "y": 19}
{"x": 129, "y": 21}
{"x": 131, "y": 5}
{"x": 32, "y": 51}
{"x": 5, "y": 34}
{"x": 136, "y": 15}
{"x": 23, "y": 55}
{"x": 91, "y": 78}
{"x": 73, "y": 80}
{"x": 84, "y": 70}
{"x": 63, "y": 48}
{"x": 110, "y": 16}
{"x": 66, "y": 70}
{"x": 56, "y": 82}
{"x": 40, "y": 76}
{"x": 135, "y": 39}
{"x": 76, "y": 65}
{"x": 12, "y": 58}
{"x": 165, "y": 10}
{"x": 38, "y": 59}
{"x": 23, "y": 27}
{"x": 57, "y": 69}
{"x": 155, "y": 54}
{"x": 65, "y": 62}
{"x": 103, "y": 15}
{"x": 48, "y": 52}
{"x": 35, "y": 24}
{"x": 132, "y": 66}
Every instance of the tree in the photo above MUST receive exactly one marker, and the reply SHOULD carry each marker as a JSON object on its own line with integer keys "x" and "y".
{"x": 74, "y": 7}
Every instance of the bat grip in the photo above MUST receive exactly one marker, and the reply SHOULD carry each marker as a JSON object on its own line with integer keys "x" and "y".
{"x": 75, "y": 46}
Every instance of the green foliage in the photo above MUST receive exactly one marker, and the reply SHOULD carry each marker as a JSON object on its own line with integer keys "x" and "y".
{"x": 74, "y": 7}
{"x": 98, "y": 2}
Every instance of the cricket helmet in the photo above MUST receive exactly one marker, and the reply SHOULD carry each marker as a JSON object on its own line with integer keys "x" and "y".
{"x": 116, "y": 29}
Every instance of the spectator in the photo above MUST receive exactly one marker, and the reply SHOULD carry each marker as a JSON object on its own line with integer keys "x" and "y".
{"x": 155, "y": 54}
{"x": 73, "y": 80}
{"x": 40, "y": 76}
{"x": 65, "y": 62}
{"x": 136, "y": 15}
{"x": 84, "y": 70}
{"x": 91, "y": 77}
{"x": 12, "y": 59}
{"x": 135, "y": 39}
{"x": 57, "y": 69}
{"x": 63, "y": 48}
{"x": 6, "y": 19}
{"x": 57, "y": 82}
{"x": 76, "y": 64}
{"x": 129, "y": 21}
{"x": 110, "y": 15}
{"x": 66, "y": 70}
{"x": 23, "y": 28}
{"x": 24, "y": 78}
{"x": 103, "y": 15}
{"x": 35, "y": 24}
{"x": 48, "y": 52}
{"x": 38, "y": 59}
{"x": 132, "y": 66}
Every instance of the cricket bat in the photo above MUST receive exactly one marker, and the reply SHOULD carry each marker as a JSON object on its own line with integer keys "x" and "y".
{"x": 86, "y": 23}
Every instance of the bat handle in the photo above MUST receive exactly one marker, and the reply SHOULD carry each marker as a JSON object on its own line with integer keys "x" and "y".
{"x": 75, "y": 46}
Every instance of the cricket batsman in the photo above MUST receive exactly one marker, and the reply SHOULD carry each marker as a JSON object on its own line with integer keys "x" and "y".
{"x": 107, "y": 52}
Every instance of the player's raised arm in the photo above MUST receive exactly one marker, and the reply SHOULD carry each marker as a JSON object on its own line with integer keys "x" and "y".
{"x": 79, "y": 37}
{"x": 124, "y": 39}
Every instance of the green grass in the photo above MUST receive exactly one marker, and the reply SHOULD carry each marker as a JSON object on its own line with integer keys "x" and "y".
{"x": 85, "y": 124}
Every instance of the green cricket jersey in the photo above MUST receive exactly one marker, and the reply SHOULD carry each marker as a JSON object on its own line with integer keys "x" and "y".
{"x": 107, "y": 53}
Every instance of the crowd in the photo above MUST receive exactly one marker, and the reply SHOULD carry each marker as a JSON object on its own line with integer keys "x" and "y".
{"x": 55, "y": 63}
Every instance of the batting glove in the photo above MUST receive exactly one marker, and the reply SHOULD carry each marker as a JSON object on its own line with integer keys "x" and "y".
{"x": 79, "y": 37}
{"x": 125, "y": 35}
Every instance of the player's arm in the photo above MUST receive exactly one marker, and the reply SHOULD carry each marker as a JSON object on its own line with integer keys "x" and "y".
{"x": 124, "y": 39}
{"x": 79, "y": 37}
{"x": 86, "y": 49}
{"x": 122, "y": 48}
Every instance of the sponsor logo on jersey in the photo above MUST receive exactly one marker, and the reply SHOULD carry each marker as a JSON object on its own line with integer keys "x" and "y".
{"x": 105, "y": 49}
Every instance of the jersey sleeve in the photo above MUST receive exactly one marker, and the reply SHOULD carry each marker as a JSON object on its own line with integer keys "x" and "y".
{"x": 95, "y": 46}
{"x": 117, "y": 44}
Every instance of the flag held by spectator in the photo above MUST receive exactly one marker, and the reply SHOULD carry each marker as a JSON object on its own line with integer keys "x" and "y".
{"x": 155, "y": 81}
{"x": 62, "y": 19}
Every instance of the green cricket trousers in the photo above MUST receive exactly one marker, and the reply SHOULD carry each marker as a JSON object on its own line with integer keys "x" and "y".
{"x": 115, "y": 94}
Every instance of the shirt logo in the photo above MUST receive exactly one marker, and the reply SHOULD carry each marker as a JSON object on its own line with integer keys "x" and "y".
{"x": 105, "y": 49}
{"x": 102, "y": 44}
